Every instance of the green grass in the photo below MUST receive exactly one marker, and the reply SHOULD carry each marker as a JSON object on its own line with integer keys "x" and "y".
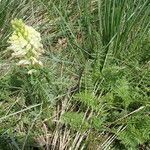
{"x": 93, "y": 91}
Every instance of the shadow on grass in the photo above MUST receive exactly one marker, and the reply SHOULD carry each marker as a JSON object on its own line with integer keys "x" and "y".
{"x": 12, "y": 143}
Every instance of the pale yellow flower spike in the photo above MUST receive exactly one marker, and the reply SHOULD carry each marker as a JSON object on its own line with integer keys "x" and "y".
{"x": 25, "y": 42}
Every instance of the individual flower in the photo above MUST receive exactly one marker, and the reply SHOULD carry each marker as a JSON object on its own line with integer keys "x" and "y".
{"x": 25, "y": 42}
{"x": 32, "y": 71}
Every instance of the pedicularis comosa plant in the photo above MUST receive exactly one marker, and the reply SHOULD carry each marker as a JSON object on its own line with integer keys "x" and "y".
{"x": 27, "y": 49}
{"x": 26, "y": 46}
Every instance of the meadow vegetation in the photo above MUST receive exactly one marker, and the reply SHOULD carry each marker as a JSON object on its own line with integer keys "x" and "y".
{"x": 92, "y": 91}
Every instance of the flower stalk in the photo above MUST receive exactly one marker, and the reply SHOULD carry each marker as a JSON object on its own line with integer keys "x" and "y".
{"x": 25, "y": 42}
